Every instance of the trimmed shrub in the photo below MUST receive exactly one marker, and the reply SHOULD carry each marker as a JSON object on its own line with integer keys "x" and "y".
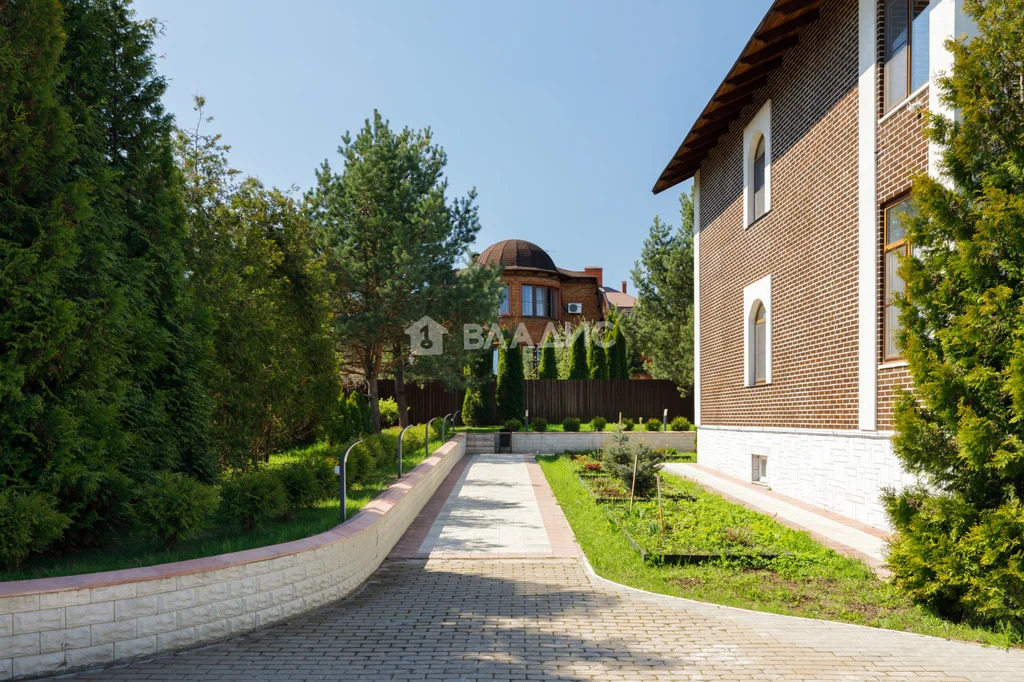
{"x": 175, "y": 507}
{"x": 628, "y": 424}
{"x": 539, "y": 424}
{"x": 653, "y": 424}
{"x": 571, "y": 424}
{"x": 599, "y": 423}
{"x": 301, "y": 484}
{"x": 513, "y": 425}
{"x": 680, "y": 424}
{"x": 388, "y": 412}
{"x": 251, "y": 499}
{"x": 29, "y": 522}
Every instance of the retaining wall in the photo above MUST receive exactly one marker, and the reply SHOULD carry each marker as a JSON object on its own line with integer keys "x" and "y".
{"x": 54, "y": 625}
{"x": 554, "y": 442}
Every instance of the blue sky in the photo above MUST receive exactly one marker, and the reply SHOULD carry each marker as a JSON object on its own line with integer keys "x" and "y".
{"x": 561, "y": 114}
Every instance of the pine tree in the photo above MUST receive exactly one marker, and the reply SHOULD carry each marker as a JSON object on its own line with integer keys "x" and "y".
{"x": 961, "y": 534}
{"x": 661, "y": 324}
{"x": 578, "y": 354}
{"x": 616, "y": 337}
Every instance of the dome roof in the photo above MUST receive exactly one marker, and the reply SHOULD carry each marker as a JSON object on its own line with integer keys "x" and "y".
{"x": 517, "y": 253}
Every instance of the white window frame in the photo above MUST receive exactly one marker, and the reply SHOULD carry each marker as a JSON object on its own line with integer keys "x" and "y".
{"x": 759, "y": 126}
{"x": 760, "y": 292}
{"x": 757, "y": 463}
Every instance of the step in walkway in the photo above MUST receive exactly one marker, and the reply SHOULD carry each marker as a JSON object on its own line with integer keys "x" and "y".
{"x": 452, "y": 603}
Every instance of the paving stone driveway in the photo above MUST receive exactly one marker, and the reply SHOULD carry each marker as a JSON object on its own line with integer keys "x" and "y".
{"x": 487, "y": 615}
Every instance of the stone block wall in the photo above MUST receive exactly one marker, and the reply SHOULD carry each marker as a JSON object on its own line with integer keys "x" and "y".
{"x": 555, "y": 442}
{"x": 841, "y": 471}
{"x": 54, "y": 625}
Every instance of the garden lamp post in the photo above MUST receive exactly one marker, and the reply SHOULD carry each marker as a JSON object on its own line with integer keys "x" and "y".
{"x": 400, "y": 437}
{"x": 342, "y": 465}
{"x": 426, "y": 442}
{"x": 444, "y": 430}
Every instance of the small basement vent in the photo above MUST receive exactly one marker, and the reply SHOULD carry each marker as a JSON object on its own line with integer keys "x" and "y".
{"x": 759, "y": 469}
{"x": 575, "y": 308}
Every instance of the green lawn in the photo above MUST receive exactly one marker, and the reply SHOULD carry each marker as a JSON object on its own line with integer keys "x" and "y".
{"x": 124, "y": 549}
{"x": 810, "y": 580}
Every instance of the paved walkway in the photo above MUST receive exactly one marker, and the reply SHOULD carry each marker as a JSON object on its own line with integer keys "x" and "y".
{"x": 845, "y": 535}
{"x": 544, "y": 616}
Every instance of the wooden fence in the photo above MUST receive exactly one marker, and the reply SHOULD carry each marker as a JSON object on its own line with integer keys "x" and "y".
{"x": 557, "y": 399}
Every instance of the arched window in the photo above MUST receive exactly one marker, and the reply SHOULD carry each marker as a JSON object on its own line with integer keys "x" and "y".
{"x": 760, "y": 345}
{"x": 757, "y": 166}
{"x": 759, "y": 185}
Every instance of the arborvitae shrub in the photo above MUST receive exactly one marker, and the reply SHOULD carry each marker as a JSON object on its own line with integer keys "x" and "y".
{"x": 388, "y": 412}
{"x": 653, "y": 424}
{"x": 513, "y": 425}
{"x": 176, "y": 507}
{"x": 598, "y": 423}
{"x": 253, "y": 498}
{"x": 571, "y": 424}
{"x": 29, "y": 522}
{"x": 628, "y": 424}
{"x": 539, "y": 424}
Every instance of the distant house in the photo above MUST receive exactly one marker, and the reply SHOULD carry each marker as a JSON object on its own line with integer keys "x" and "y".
{"x": 537, "y": 292}
{"x": 802, "y": 163}
{"x": 618, "y": 298}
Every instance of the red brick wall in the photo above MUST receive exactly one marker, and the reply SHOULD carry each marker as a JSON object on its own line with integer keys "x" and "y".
{"x": 582, "y": 290}
{"x": 807, "y": 243}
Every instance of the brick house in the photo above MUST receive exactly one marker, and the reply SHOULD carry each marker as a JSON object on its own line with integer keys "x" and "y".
{"x": 801, "y": 164}
{"x": 538, "y": 293}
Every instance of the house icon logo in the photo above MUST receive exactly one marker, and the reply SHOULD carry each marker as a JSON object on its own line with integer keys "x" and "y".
{"x": 426, "y": 336}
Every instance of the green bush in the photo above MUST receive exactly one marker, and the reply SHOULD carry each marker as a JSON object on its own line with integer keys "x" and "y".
{"x": 29, "y": 522}
{"x": 388, "y": 412}
{"x": 680, "y": 424}
{"x": 513, "y": 425}
{"x": 509, "y": 390}
{"x": 253, "y": 498}
{"x": 175, "y": 507}
{"x": 302, "y": 486}
{"x": 571, "y": 424}
{"x": 599, "y": 423}
{"x": 351, "y": 420}
{"x": 539, "y": 424}
{"x": 628, "y": 424}
{"x": 618, "y": 457}
{"x": 653, "y": 424}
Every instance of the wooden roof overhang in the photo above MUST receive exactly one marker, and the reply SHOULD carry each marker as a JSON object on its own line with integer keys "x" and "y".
{"x": 778, "y": 32}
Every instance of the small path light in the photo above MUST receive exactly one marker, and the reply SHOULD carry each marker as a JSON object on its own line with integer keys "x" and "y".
{"x": 664, "y": 420}
{"x": 342, "y": 465}
{"x": 527, "y": 420}
{"x": 444, "y": 430}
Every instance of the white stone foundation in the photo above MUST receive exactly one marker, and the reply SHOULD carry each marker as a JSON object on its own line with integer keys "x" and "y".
{"x": 841, "y": 471}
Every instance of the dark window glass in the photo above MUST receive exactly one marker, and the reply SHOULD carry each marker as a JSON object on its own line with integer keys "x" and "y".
{"x": 760, "y": 345}
{"x": 759, "y": 188}
{"x": 906, "y": 49}
{"x": 503, "y": 307}
{"x": 527, "y": 300}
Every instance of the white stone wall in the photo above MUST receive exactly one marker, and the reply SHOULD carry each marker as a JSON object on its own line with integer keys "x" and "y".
{"x": 841, "y": 471}
{"x": 555, "y": 442}
{"x": 55, "y": 625}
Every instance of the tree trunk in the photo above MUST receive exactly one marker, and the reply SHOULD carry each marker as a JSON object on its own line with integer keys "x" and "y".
{"x": 403, "y": 405}
{"x": 372, "y": 394}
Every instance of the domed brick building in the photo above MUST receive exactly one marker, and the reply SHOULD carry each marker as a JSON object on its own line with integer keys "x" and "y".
{"x": 538, "y": 292}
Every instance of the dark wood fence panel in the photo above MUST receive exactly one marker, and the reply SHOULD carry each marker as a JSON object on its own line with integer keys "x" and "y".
{"x": 557, "y": 399}
{"x": 588, "y": 398}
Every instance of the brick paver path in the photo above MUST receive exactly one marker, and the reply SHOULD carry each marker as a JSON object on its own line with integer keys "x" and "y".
{"x": 490, "y": 615}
